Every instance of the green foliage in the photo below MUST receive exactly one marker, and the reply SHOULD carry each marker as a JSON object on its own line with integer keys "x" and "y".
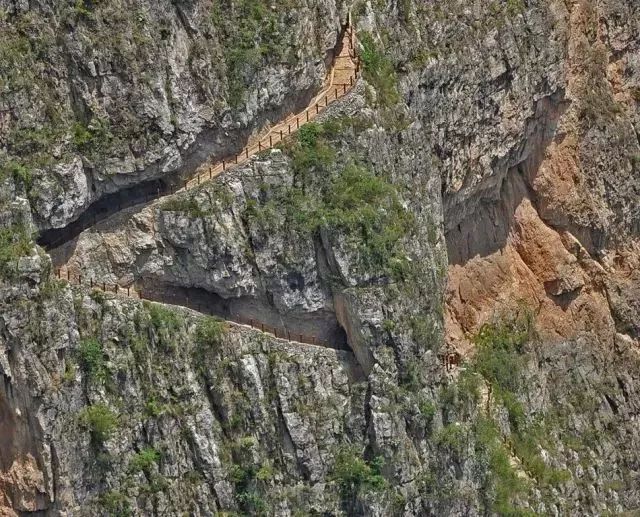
{"x": 505, "y": 484}
{"x": 165, "y": 321}
{"x": 252, "y": 502}
{"x": 92, "y": 359}
{"x": 379, "y": 71}
{"x": 356, "y": 203}
{"x": 18, "y": 171}
{"x": 499, "y": 352}
{"x": 101, "y": 422}
{"x": 186, "y": 205}
{"x": 500, "y": 359}
{"x": 15, "y": 242}
{"x": 95, "y": 137}
{"x": 144, "y": 460}
{"x": 312, "y": 150}
{"x": 253, "y": 36}
{"x": 115, "y": 504}
{"x": 453, "y": 437}
{"x": 353, "y": 474}
{"x": 209, "y": 332}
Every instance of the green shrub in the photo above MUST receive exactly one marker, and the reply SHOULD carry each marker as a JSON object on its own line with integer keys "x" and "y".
{"x": 362, "y": 206}
{"x": 15, "y": 242}
{"x": 252, "y": 36}
{"x": 209, "y": 332}
{"x": 453, "y": 437}
{"x": 166, "y": 322}
{"x": 499, "y": 352}
{"x": 185, "y": 205}
{"x": 101, "y": 422}
{"x": 354, "y": 474}
{"x": 379, "y": 71}
{"x": 505, "y": 484}
{"x": 163, "y": 317}
{"x": 144, "y": 460}
{"x": 92, "y": 359}
{"x": 115, "y": 504}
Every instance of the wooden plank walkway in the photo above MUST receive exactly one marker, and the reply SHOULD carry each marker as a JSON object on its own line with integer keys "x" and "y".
{"x": 340, "y": 80}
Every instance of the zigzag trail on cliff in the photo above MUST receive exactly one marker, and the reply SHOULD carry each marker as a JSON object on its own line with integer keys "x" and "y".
{"x": 340, "y": 81}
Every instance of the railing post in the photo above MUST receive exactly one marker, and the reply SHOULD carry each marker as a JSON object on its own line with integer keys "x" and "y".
{"x": 262, "y": 327}
{"x": 317, "y": 109}
{"x": 224, "y": 165}
{"x": 307, "y": 112}
{"x": 297, "y": 123}
{"x": 326, "y": 100}
{"x": 275, "y": 332}
{"x": 210, "y": 172}
{"x": 301, "y": 339}
{"x": 281, "y": 137}
{"x": 198, "y": 179}
{"x": 344, "y": 88}
{"x": 127, "y": 290}
{"x": 80, "y": 279}
{"x": 350, "y": 80}
{"x": 259, "y": 146}
{"x": 336, "y": 93}
{"x": 91, "y": 282}
{"x": 270, "y": 141}
{"x": 236, "y": 159}
{"x": 289, "y": 128}
{"x": 246, "y": 152}
{"x": 104, "y": 286}
{"x": 116, "y": 288}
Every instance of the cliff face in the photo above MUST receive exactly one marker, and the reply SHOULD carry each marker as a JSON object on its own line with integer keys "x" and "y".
{"x": 98, "y": 96}
{"x": 477, "y": 191}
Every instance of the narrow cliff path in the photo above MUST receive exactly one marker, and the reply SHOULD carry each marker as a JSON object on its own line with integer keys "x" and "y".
{"x": 340, "y": 80}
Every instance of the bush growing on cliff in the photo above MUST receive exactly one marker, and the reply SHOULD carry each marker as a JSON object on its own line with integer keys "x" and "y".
{"x": 92, "y": 358}
{"x": 100, "y": 421}
{"x": 209, "y": 332}
{"x": 379, "y": 71}
{"x": 15, "y": 242}
{"x": 165, "y": 322}
{"x": 354, "y": 474}
{"x": 144, "y": 460}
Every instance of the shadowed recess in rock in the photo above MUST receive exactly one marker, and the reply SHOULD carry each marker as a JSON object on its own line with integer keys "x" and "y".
{"x": 322, "y": 327}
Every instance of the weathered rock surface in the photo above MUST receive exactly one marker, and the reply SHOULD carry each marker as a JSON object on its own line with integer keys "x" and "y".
{"x": 500, "y": 136}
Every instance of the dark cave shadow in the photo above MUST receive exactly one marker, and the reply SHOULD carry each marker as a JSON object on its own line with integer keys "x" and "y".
{"x": 321, "y": 327}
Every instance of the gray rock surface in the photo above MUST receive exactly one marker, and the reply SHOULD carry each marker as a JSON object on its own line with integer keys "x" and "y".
{"x": 496, "y": 143}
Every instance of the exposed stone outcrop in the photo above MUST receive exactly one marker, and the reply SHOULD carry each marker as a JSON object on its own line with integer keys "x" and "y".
{"x": 478, "y": 191}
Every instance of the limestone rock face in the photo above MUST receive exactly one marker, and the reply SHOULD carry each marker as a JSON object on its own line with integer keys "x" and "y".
{"x": 463, "y": 226}
{"x": 103, "y": 96}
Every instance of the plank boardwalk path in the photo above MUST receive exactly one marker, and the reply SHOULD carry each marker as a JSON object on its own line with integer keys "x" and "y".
{"x": 341, "y": 79}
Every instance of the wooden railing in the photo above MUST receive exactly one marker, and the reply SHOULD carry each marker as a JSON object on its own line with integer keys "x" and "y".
{"x": 131, "y": 291}
{"x": 331, "y": 92}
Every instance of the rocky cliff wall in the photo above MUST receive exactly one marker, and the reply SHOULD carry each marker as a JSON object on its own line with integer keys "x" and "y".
{"x": 477, "y": 191}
